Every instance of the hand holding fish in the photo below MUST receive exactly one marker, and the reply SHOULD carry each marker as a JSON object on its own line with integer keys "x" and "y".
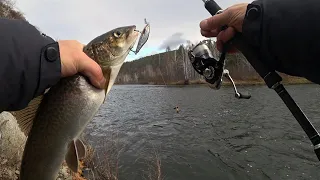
{"x": 74, "y": 60}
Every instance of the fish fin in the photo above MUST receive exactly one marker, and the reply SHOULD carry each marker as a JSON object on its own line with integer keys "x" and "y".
{"x": 81, "y": 149}
{"x": 72, "y": 157}
{"x": 111, "y": 74}
{"x": 26, "y": 116}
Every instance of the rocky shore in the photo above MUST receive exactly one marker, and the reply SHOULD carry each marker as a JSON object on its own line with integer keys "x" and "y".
{"x": 12, "y": 142}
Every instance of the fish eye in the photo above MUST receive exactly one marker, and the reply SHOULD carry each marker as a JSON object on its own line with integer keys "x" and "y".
{"x": 117, "y": 34}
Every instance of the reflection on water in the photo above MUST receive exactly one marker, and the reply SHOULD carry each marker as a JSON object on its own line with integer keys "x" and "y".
{"x": 215, "y": 136}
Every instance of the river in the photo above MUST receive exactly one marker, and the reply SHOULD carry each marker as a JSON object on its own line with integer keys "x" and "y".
{"x": 255, "y": 139}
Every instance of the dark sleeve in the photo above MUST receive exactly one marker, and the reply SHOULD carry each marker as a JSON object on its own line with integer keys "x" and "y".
{"x": 287, "y": 34}
{"x": 29, "y": 63}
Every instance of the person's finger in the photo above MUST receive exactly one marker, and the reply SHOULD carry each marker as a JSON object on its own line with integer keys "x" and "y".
{"x": 227, "y": 34}
{"x": 216, "y": 21}
{"x": 231, "y": 49}
{"x": 92, "y": 70}
{"x": 212, "y": 33}
{"x": 219, "y": 45}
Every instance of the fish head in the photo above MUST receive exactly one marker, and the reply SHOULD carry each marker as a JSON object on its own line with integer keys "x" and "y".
{"x": 110, "y": 50}
{"x": 120, "y": 41}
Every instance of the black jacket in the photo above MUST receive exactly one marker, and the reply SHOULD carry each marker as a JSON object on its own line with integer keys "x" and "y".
{"x": 29, "y": 63}
{"x": 286, "y": 33}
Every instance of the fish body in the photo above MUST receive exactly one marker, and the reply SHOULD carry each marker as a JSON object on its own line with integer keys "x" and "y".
{"x": 54, "y": 121}
{"x": 63, "y": 114}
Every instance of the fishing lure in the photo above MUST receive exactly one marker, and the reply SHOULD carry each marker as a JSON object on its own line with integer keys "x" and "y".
{"x": 143, "y": 37}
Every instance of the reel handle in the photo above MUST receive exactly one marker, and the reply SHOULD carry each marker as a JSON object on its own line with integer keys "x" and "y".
{"x": 243, "y": 96}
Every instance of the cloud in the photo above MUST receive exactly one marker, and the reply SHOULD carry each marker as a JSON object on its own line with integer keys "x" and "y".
{"x": 173, "y": 41}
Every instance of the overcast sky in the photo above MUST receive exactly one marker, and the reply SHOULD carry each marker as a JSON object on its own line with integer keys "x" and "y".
{"x": 172, "y": 21}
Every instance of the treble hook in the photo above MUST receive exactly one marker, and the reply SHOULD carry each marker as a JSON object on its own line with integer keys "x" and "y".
{"x": 145, "y": 21}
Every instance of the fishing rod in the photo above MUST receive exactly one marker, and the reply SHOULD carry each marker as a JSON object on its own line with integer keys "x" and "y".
{"x": 213, "y": 70}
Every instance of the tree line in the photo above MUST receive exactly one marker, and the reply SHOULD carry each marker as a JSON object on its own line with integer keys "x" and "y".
{"x": 174, "y": 67}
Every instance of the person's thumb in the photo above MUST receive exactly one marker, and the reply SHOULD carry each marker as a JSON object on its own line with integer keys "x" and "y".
{"x": 92, "y": 70}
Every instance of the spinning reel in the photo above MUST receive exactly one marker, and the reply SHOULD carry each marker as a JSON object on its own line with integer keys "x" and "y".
{"x": 211, "y": 69}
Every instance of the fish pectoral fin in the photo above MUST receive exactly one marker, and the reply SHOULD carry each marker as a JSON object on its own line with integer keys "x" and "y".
{"x": 71, "y": 158}
{"x": 81, "y": 149}
{"x": 111, "y": 74}
{"x": 26, "y": 116}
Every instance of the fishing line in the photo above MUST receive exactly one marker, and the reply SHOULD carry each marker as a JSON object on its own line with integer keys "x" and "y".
{"x": 161, "y": 72}
{"x": 166, "y": 85}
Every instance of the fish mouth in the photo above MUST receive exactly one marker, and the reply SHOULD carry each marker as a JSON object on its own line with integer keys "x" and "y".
{"x": 133, "y": 36}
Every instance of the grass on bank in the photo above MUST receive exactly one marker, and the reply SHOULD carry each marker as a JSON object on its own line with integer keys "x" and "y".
{"x": 105, "y": 165}
{"x": 286, "y": 80}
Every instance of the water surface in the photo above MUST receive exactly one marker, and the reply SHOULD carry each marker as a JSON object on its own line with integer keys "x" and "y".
{"x": 249, "y": 139}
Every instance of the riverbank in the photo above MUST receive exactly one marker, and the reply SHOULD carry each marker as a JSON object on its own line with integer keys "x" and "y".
{"x": 248, "y": 82}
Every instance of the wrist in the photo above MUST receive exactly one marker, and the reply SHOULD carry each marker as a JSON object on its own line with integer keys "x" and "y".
{"x": 251, "y": 28}
{"x": 50, "y": 68}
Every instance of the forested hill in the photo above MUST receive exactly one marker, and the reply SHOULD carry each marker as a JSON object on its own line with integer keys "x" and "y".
{"x": 174, "y": 67}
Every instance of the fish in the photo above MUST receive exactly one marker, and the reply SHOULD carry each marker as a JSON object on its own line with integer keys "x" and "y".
{"x": 54, "y": 121}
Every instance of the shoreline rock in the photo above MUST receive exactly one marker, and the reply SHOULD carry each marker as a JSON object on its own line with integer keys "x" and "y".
{"x": 12, "y": 142}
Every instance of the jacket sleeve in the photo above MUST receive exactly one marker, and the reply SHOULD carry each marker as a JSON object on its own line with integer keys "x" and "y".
{"x": 29, "y": 63}
{"x": 286, "y": 32}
